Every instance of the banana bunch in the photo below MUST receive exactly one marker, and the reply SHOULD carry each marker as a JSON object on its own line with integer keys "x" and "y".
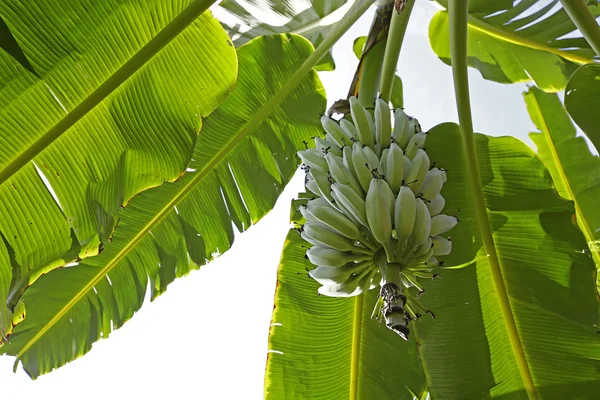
{"x": 376, "y": 208}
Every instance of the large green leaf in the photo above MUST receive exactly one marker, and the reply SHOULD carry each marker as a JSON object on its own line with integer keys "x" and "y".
{"x": 311, "y": 19}
{"x": 575, "y": 171}
{"x": 105, "y": 101}
{"x": 520, "y": 41}
{"x": 244, "y": 157}
{"x": 466, "y": 352}
{"x": 582, "y": 100}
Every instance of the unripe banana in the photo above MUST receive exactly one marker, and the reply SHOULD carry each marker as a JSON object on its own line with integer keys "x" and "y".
{"x": 347, "y": 159}
{"x": 333, "y": 258}
{"x": 444, "y": 177}
{"x": 423, "y": 249}
{"x": 320, "y": 234}
{"x": 394, "y": 167}
{"x": 441, "y": 246}
{"x": 436, "y": 205}
{"x": 442, "y": 223}
{"x": 336, "y": 275}
{"x": 332, "y": 218}
{"x": 313, "y": 158}
{"x": 340, "y": 206}
{"x": 416, "y": 143}
{"x": 353, "y": 286}
{"x": 419, "y": 259}
{"x": 383, "y": 123}
{"x": 418, "y": 169}
{"x": 362, "y": 121}
{"x": 350, "y": 201}
{"x": 432, "y": 184}
{"x": 349, "y": 130}
{"x": 402, "y": 130}
{"x": 422, "y": 227}
{"x": 359, "y": 162}
{"x": 340, "y": 173}
{"x": 414, "y": 125}
{"x": 383, "y": 160}
{"x": 372, "y": 160}
{"x": 322, "y": 182}
{"x": 378, "y": 213}
{"x": 405, "y": 210}
{"x": 311, "y": 185}
{"x": 433, "y": 262}
{"x": 335, "y": 131}
{"x": 327, "y": 147}
{"x": 407, "y": 164}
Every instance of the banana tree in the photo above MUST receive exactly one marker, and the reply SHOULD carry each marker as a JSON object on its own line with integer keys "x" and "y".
{"x": 129, "y": 156}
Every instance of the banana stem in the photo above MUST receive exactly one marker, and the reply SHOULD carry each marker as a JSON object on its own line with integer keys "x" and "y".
{"x": 369, "y": 78}
{"x": 584, "y": 21}
{"x": 392, "y": 49}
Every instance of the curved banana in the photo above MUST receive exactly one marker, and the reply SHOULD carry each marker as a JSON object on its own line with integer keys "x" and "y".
{"x": 436, "y": 205}
{"x": 359, "y": 162}
{"x": 372, "y": 161}
{"x": 418, "y": 169}
{"x": 313, "y": 158}
{"x": 383, "y": 123}
{"x": 383, "y": 160}
{"x": 335, "y": 131}
{"x": 319, "y": 234}
{"x": 323, "y": 184}
{"x": 405, "y": 209}
{"x": 326, "y": 256}
{"x": 378, "y": 214}
{"x": 362, "y": 121}
{"x": 416, "y": 143}
{"x": 340, "y": 173}
{"x": 351, "y": 287}
{"x": 442, "y": 223}
{"x": 351, "y": 201}
{"x": 336, "y": 275}
{"x": 432, "y": 184}
{"x": 394, "y": 167}
{"x": 332, "y": 218}
{"x": 325, "y": 147}
{"x": 349, "y": 130}
{"x": 441, "y": 246}
{"x": 402, "y": 130}
{"x": 422, "y": 227}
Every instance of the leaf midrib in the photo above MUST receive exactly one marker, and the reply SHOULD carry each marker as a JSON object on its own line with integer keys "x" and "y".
{"x": 341, "y": 27}
{"x": 585, "y": 227}
{"x": 113, "y": 82}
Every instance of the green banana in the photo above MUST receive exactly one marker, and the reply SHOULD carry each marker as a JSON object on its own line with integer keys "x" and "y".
{"x": 340, "y": 173}
{"x": 418, "y": 169}
{"x": 416, "y": 143}
{"x": 349, "y": 130}
{"x": 353, "y": 286}
{"x": 422, "y": 227}
{"x": 332, "y": 218}
{"x": 383, "y": 123}
{"x": 320, "y": 234}
{"x": 442, "y": 223}
{"x": 383, "y": 160}
{"x": 378, "y": 204}
{"x": 441, "y": 246}
{"x": 414, "y": 125}
{"x": 394, "y": 167}
{"x": 325, "y": 147}
{"x": 362, "y": 121}
{"x": 436, "y": 205}
{"x": 349, "y": 200}
{"x": 335, "y": 131}
{"x": 326, "y": 256}
{"x": 336, "y": 275}
{"x": 404, "y": 216}
{"x": 372, "y": 160}
{"x": 432, "y": 184}
{"x": 313, "y": 158}
{"x": 407, "y": 164}
{"x": 402, "y": 130}
{"x": 322, "y": 182}
{"x": 359, "y": 163}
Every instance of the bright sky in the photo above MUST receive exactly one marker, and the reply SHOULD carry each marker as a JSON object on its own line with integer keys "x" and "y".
{"x": 206, "y": 337}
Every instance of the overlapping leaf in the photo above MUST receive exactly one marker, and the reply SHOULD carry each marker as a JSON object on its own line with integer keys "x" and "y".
{"x": 244, "y": 156}
{"x": 575, "y": 171}
{"x": 305, "y": 18}
{"x": 582, "y": 100}
{"x": 519, "y": 41}
{"x": 466, "y": 352}
{"x": 112, "y": 94}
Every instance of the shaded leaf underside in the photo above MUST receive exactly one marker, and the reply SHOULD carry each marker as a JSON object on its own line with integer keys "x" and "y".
{"x": 138, "y": 136}
{"x": 465, "y": 352}
{"x": 522, "y": 42}
{"x": 243, "y": 158}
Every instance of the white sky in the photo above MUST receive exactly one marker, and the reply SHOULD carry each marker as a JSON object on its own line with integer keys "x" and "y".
{"x": 206, "y": 337}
